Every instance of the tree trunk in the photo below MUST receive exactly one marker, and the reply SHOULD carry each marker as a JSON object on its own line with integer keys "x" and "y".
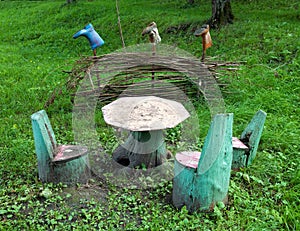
{"x": 221, "y": 13}
{"x": 145, "y": 148}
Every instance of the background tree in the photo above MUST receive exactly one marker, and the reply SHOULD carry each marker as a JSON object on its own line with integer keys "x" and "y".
{"x": 221, "y": 13}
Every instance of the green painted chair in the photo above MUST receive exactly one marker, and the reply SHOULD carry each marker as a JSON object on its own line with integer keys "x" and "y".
{"x": 245, "y": 147}
{"x": 57, "y": 163}
{"x": 202, "y": 179}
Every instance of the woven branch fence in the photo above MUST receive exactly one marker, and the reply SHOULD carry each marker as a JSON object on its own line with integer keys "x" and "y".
{"x": 136, "y": 71}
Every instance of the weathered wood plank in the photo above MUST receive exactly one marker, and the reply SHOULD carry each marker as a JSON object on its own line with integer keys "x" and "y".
{"x": 189, "y": 159}
{"x": 65, "y": 153}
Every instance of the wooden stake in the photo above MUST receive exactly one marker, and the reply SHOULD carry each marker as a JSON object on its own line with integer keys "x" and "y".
{"x": 119, "y": 24}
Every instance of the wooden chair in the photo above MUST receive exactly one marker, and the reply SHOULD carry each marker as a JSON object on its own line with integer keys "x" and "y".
{"x": 202, "y": 179}
{"x": 245, "y": 147}
{"x": 57, "y": 163}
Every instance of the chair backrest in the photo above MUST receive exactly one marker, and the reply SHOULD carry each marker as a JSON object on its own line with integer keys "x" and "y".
{"x": 44, "y": 141}
{"x": 211, "y": 183}
{"x": 252, "y": 134}
{"x": 217, "y": 143}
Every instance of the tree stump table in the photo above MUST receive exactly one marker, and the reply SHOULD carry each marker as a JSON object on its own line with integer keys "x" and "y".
{"x": 146, "y": 118}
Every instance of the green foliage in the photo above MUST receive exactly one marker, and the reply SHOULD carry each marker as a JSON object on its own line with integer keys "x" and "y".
{"x": 37, "y": 47}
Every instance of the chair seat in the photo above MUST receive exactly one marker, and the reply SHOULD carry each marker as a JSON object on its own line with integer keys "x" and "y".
{"x": 66, "y": 153}
{"x": 236, "y": 143}
{"x": 188, "y": 159}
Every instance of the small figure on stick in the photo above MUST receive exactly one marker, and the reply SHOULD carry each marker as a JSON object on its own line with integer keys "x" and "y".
{"x": 152, "y": 31}
{"x": 206, "y": 39}
{"x": 94, "y": 38}
{"x": 154, "y": 38}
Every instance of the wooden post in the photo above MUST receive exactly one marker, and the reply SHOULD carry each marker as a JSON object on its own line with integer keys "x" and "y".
{"x": 245, "y": 148}
{"x": 203, "y": 180}
{"x": 57, "y": 163}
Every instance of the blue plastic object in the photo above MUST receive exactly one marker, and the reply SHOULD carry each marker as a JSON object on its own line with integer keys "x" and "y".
{"x": 93, "y": 37}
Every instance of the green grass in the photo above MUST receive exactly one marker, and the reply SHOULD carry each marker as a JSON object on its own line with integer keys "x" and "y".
{"x": 37, "y": 46}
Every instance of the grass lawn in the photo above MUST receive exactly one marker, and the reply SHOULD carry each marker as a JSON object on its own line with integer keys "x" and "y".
{"x": 37, "y": 50}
